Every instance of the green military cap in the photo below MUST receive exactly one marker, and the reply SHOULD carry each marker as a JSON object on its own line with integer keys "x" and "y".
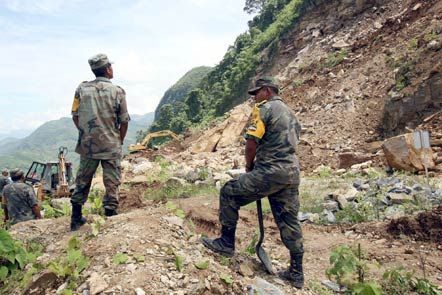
{"x": 17, "y": 173}
{"x": 264, "y": 82}
{"x": 99, "y": 60}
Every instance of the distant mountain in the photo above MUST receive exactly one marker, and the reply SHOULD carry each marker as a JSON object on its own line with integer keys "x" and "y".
{"x": 43, "y": 143}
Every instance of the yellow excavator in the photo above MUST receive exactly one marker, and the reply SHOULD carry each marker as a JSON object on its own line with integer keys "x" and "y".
{"x": 143, "y": 145}
{"x": 54, "y": 178}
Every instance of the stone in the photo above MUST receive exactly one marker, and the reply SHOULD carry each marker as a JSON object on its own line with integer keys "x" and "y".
{"x": 96, "y": 283}
{"x": 174, "y": 220}
{"x": 139, "y": 291}
{"x": 340, "y": 44}
{"x": 142, "y": 168}
{"x": 401, "y": 154}
{"x": 332, "y": 285}
{"x": 245, "y": 270}
{"x": 61, "y": 288}
{"x": 261, "y": 286}
{"x": 59, "y": 203}
{"x": 329, "y": 216}
{"x": 331, "y": 205}
{"x": 399, "y": 198}
{"x": 434, "y": 45}
{"x": 175, "y": 182}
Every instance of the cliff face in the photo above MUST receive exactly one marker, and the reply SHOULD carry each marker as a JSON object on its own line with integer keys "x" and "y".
{"x": 356, "y": 72}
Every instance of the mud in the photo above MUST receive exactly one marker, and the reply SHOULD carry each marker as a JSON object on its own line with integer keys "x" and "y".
{"x": 426, "y": 226}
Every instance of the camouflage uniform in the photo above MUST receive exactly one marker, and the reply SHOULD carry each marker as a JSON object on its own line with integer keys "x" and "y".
{"x": 4, "y": 180}
{"x": 19, "y": 198}
{"x": 275, "y": 173}
{"x": 101, "y": 108}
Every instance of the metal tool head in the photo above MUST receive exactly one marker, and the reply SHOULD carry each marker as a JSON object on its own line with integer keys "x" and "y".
{"x": 262, "y": 255}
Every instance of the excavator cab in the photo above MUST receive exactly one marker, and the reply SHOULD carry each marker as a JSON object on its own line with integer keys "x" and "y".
{"x": 54, "y": 177}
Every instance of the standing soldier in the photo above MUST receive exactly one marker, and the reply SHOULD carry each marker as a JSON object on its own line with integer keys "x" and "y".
{"x": 99, "y": 112}
{"x": 272, "y": 137}
{"x": 19, "y": 202}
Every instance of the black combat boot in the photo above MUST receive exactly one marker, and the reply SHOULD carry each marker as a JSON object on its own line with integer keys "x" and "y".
{"x": 224, "y": 245}
{"x": 294, "y": 273}
{"x": 77, "y": 220}
{"x": 110, "y": 212}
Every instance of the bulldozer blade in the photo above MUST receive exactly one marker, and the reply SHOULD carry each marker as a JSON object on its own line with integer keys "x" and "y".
{"x": 262, "y": 255}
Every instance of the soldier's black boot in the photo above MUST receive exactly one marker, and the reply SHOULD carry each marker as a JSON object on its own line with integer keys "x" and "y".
{"x": 77, "y": 219}
{"x": 110, "y": 212}
{"x": 294, "y": 273}
{"x": 224, "y": 245}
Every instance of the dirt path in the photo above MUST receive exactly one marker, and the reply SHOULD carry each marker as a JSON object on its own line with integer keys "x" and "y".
{"x": 158, "y": 235}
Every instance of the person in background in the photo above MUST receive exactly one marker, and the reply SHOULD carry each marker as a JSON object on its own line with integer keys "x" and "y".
{"x": 19, "y": 202}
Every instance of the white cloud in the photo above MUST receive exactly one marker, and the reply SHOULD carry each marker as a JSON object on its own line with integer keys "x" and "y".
{"x": 153, "y": 44}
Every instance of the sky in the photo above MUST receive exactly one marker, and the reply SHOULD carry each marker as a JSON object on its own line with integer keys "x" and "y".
{"x": 45, "y": 45}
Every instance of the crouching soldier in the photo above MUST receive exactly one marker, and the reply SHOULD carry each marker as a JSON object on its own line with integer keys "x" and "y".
{"x": 19, "y": 201}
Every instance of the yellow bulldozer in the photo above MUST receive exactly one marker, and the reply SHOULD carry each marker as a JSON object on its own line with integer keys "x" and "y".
{"x": 143, "y": 145}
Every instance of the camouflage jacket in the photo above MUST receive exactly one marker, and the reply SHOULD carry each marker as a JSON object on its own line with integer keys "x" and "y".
{"x": 19, "y": 198}
{"x": 3, "y": 182}
{"x": 275, "y": 128}
{"x": 101, "y": 108}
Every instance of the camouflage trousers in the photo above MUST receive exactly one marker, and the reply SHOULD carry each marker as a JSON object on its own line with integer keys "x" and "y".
{"x": 283, "y": 199}
{"x": 111, "y": 180}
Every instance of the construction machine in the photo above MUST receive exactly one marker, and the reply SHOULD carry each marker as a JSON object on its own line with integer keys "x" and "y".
{"x": 143, "y": 145}
{"x": 54, "y": 178}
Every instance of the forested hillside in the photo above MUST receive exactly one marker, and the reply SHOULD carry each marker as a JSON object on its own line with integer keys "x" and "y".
{"x": 171, "y": 112}
{"x": 225, "y": 86}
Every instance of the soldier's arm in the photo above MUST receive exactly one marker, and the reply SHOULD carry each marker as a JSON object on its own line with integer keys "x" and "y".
{"x": 33, "y": 203}
{"x": 75, "y": 106}
{"x": 123, "y": 131}
{"x": 123, "y": 114}
{"x": 5, "y": 208}
{"x": 250, "y": 153}
{"x": 36, "y": 211}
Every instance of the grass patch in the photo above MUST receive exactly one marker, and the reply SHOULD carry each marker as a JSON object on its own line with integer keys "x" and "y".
{"x": 187, "y": 191}
{"x": 335, "y": 58}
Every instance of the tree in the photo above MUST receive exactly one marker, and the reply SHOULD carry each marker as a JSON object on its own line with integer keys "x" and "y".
{"x": 253, "y": 6}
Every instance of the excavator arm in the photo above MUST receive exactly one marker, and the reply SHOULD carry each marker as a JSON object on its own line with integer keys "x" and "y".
{"x": 143, "y": 145}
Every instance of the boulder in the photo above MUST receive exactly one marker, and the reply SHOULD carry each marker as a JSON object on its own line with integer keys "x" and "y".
{"x": 401, "y": 154}
{"x": 399, "y": 198}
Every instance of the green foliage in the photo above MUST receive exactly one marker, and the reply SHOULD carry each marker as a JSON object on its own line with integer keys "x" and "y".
{"x": 356, "y": 213}
{"x": 96, "y": 202}
{"x": 13, "y": 256}
{"x": 120, "y": 258}
{"x": 430, "y": 37}
{"x": 177, "y": 211}
{"x": 344, "y": 266}
{"x": 202, "y": 265}
{"x": 324, "y": 171}
{"x": 397, "y": 281}
{"x": 250, "y": 249}
{"x": 403, "y": 75}
{"x": 139, "y": 257}
{"x": 226, "y": 279}
{"x": 413, "y": 43}
{"x": 335, "y": 58}
{"x": 171, "y": 192}
{"x": 96, "y": 225}
{"x": 72, "y": 264}
{"x": 225, "y": 85}
{"x": 51, "y": 212}
{"x": 179, "y": 262}
{"x": 370, "y": 288}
